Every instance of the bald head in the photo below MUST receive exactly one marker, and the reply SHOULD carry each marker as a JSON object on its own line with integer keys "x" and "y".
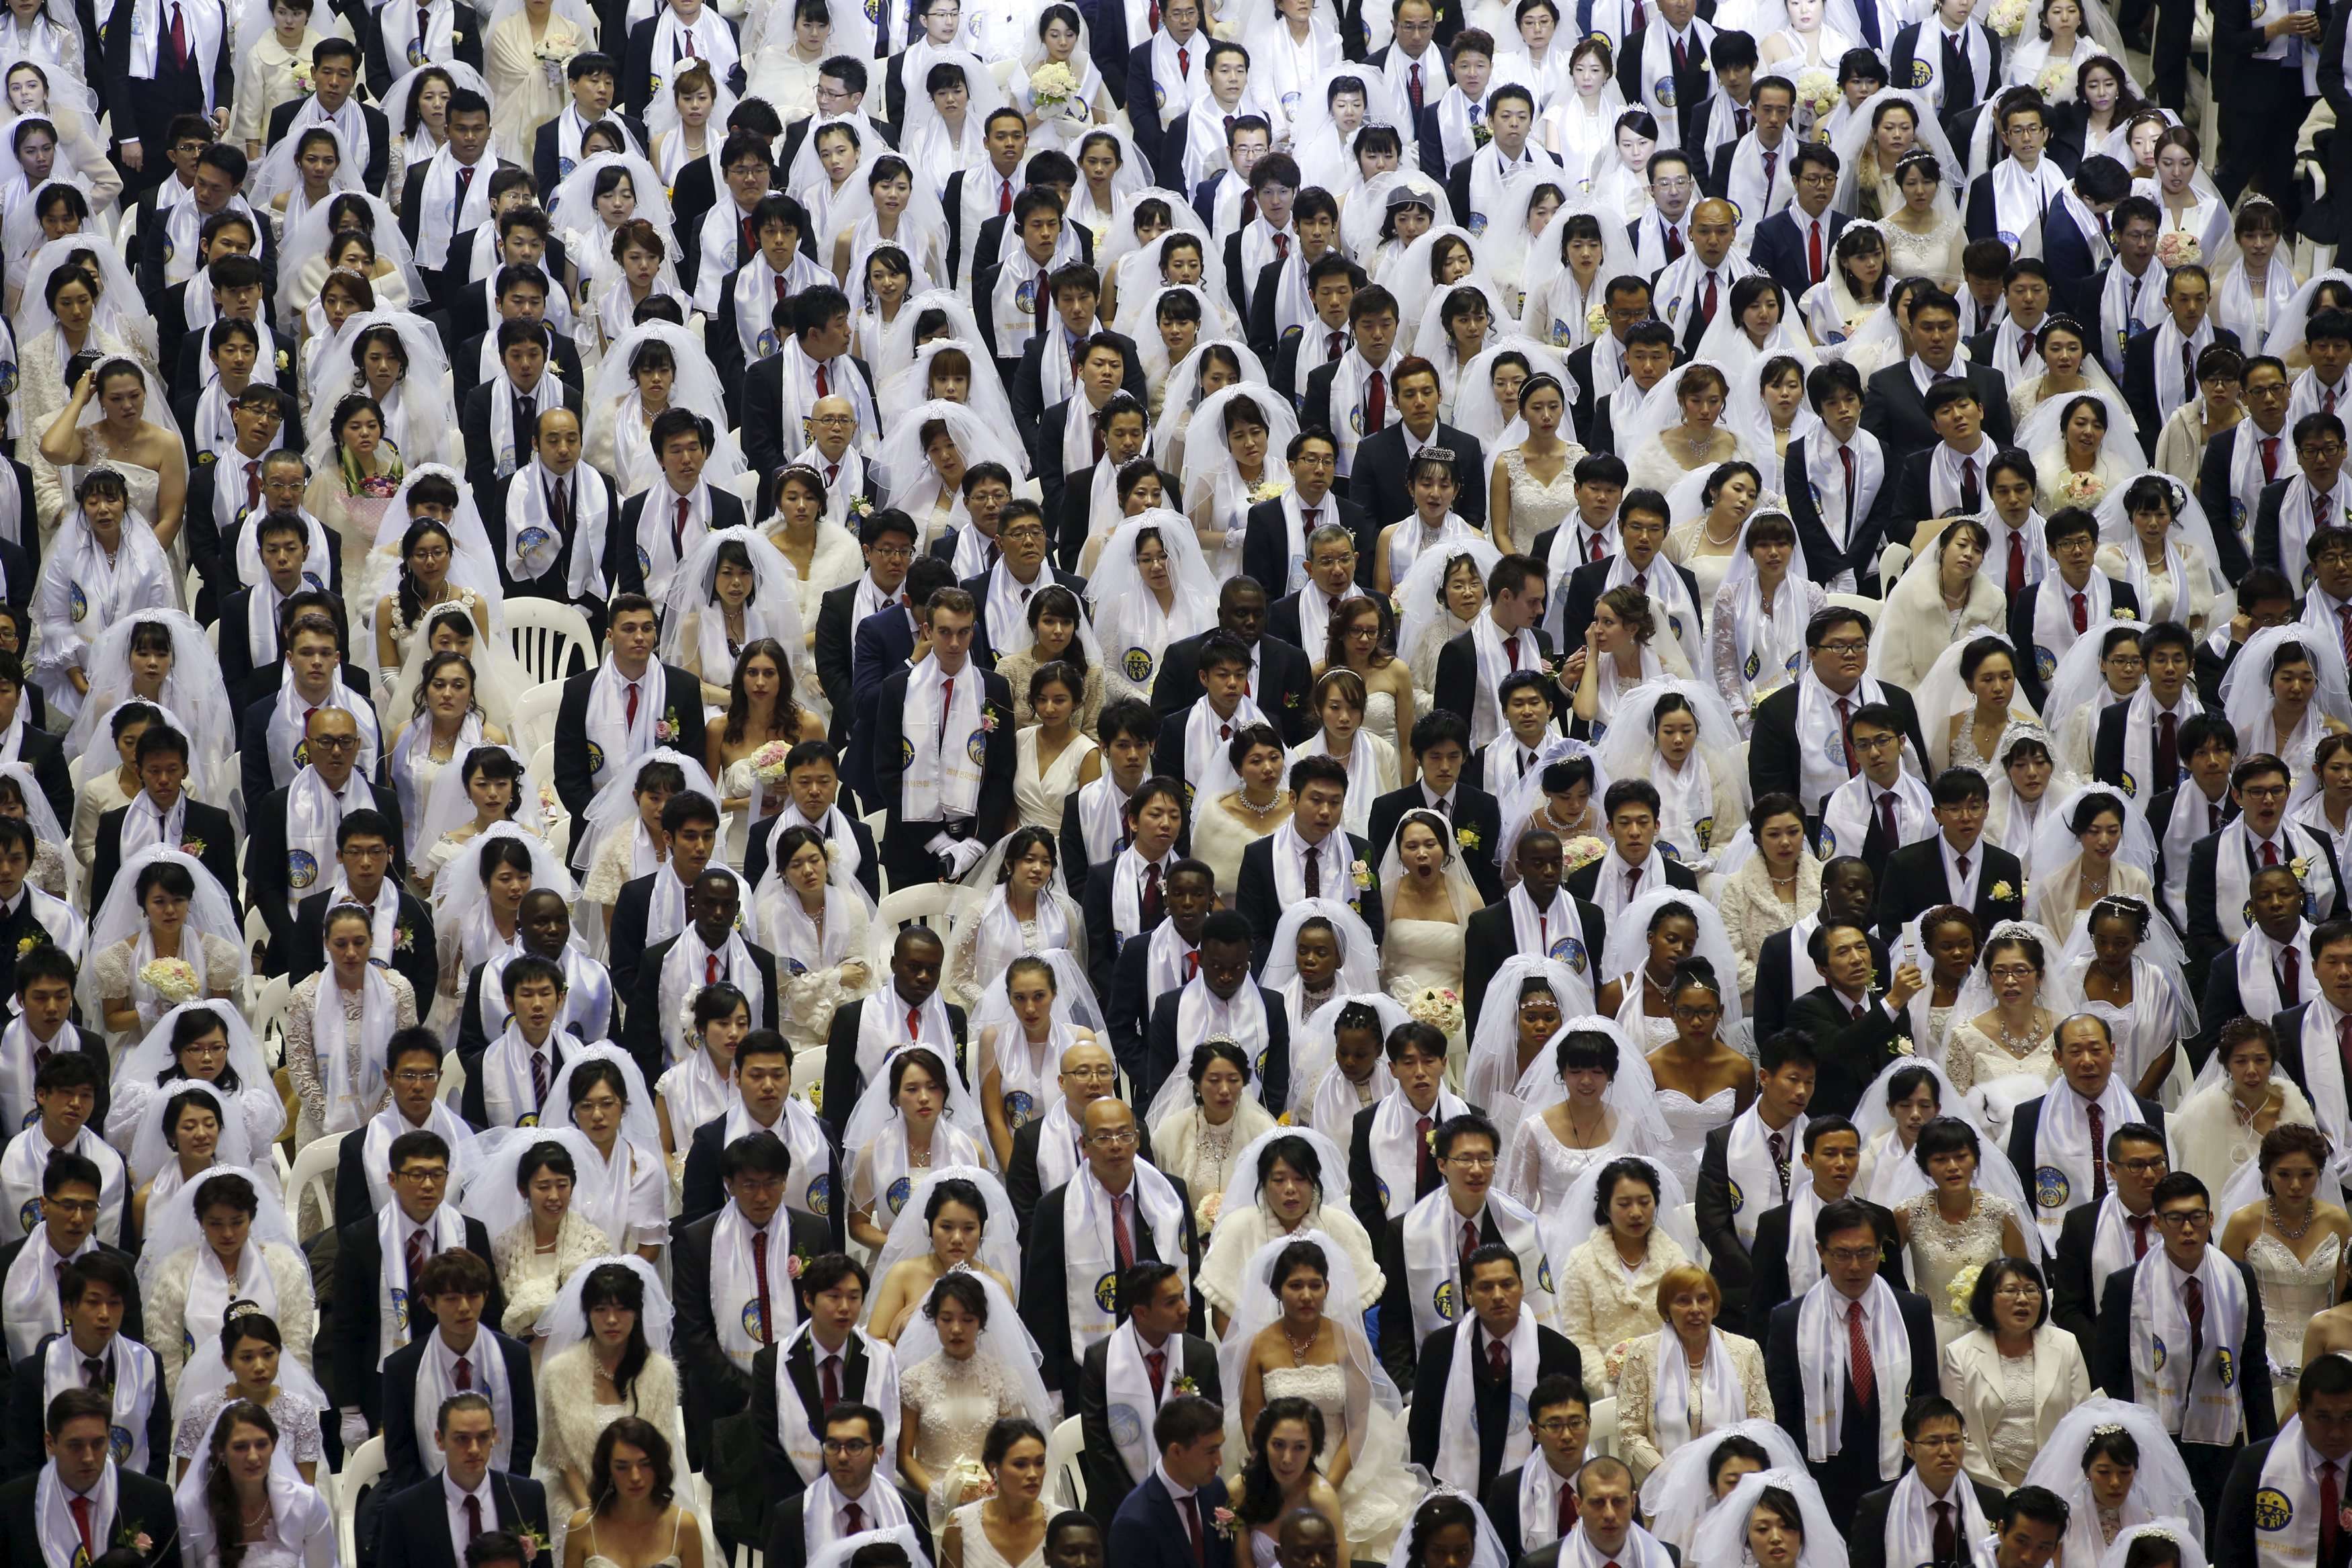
{"x": 1110, "y": 1139}
{"x": 1088, "y": 1074}
{"x": 1714, "y": 224}
{"x": 332, "y": 745}
{"x": 829, "y": 427}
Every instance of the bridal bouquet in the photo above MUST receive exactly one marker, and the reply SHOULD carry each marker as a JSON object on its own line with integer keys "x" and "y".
{"x": 2081, "y": 490}
{"x": 767, "y": 763}
{"x": 1054, "y": 86}
{"x": 2177, "y": 248}
{"x": 1817, "y": 90}
{"x": 1438, "y": 1007}
{"x": 2008, "y": 18}
{"x": 1581, "y": 851}
{"x": 174, "y": 980}
{"x": 2052, "y": 80}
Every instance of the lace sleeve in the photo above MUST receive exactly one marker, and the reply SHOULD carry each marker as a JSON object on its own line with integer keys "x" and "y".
{"x": 604, "y": 879}
{"x": 167, "y": 1314}
{"x": 403, "y": 998}
{"x": 196, "y": 1426}
{"x": 1753, "y": 1383}
{"x": 964, "y": 981}
{"x": 222, "y": 965}
{"x": 1960, "y": 1056}
{"x": 114, "y": 967}
{"x": 1635, "y": 1395}
{"x": 1576, "y": 1321}
{"x": 1723, "y": 657}
{"x": 300, "y": 1429}
{"x": 50, "y": 868}
{"x": 301, "y": 1048}
{"x": 298, "y": 1309}
{"x": 1522, "y": 1171}
{"x": 811, "y": 998}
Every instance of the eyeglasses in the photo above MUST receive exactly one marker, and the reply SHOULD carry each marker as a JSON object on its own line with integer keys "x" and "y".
{"x": 1113, "y": 1138}
{"x": 417, "y": 1075}
{"x": 2183, "y": 1218}
{"x": 1030, "y": 532}
{"x": 1091, "y": 1074}
{"x": 846, "y": 1448}
{"x": 2021, "y": 972}
{"x": 1852, "y": 1254}
{"x": 69, "y": 1208}
{"x": 1472, "y": 1161}
{"x": 1561, "y": 1428}
{"x": 2021, "y": 1291}
{"x": 2154, "y": 1166}
{"x": 1697, "y": 1013}
{"x": 834, "y": 419}
{"x": 1844, "y": 649}
{"x": 423, "y": 1176}
{"x": 336, "y": 742}
{"x": 2263, "y": 791}
{"x": 895, "y": 552}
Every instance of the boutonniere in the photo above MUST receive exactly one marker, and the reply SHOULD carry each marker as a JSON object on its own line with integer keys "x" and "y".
{"x": 1467, "y": 837}
{"x": 533, "y": 1543}
{"x": 987, "y": 721}
{"x": 666, "y": 730}
{"x": 2121, "y": 613}
{"x": 136, "y": 1539}
{"x": 193, "y": 849}
{"x": 2003, "y": 891}
{"x": 27, "y": 945}
{"x": 1480, "y": 135}
{"x": 1903, "y": 1046}
{"x": 798, "y": 1261}
{"x": 1360, "y": 874}
{"x": 284, "y": 358}
{"x": 861, "y": 507}
{"x": 404, "y": 938}
{"x": 1222, "y": 1521}
{"x": 1290, "y": 699}
{"x": 456, "y": 35}
{"x": 2301, "y": 866}
{"x": 1185, "y": 1386}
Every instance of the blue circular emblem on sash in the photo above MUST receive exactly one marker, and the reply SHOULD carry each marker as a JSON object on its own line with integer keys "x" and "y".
{"x": 28, "y": 1213}
{"x": 399, "y": 1310}
{"x": 301, "y": 869}
{"x": 1137, "y": 664}
{"x": 819, "y": 1191}
{"x": 1020, "y": 1108}
{"x": 1125, "y": 1426}
{"x": 1829, "y": 843}
{"x": 644, "y": 560}
{"x": 1106, "y": 1292}
{"x": 78, "y": 603}
{"x": 1663, "y": 90}
{"x": 1376, "y": 1182}
{"x": 767, "y": 342}
{"x": 2045, "y": 663}
{"x": 1443, "y": 1301}
{"x": 977, "y": 746}
{"x": 1025, "y": 297}
{"x": 596, "y": 758}
{"x": 2050, "y": 1187}
{"x": 1477, "y": 222}
{"x": 531, "y": 539}
{"x": 415, "y": 52}
{"x": 117, "y": 1438}
{"x": 899, "y": 1193}
{"x": 1543, "y": 1274}
{"x": 752, "y": 1324}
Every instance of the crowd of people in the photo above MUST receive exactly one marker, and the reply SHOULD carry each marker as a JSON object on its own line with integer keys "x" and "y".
{"x": 790, "y": 778}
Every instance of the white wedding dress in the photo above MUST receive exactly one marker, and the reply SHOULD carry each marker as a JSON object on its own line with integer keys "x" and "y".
{"x": 1415, "y": 954}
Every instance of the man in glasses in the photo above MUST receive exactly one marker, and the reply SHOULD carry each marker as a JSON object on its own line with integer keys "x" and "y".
{"x": 1956, "y": 867}
{"x": 2299, "y": 504}
{"x": 1802, "y": 743}
{"x": 848, "y": 1499}
{"x": 293, "y": 829}
{"x": 1427, "y": 1252}
{"x": 1560, "y": 1424}
{"x": 2221, "y": 865}
{"x": 1932, "y": 1513}
{"x": 2181, "y": 1333}
{"x": 1021, "y": 572}
{"x": 1117, "y": 1211}
{"x": 2098, "y": 1239}
{"x": 2257, "y": 452}
{"x": 1851, "y": 1353}
{"x": 362, "y": 1173}
{"x": 2059, "y": 1141}
{"x": 1048, "y": 1150}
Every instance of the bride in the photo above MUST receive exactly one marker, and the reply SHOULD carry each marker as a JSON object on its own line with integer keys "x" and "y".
{"x": 1679, "y": 735}
{"x": 1285, "y": 1346}
{"x": 2084, "y": 445}
{"x": 2284, "y": 691}
{"x": 1679, "y": 435}
{"x": 1427, "y": 902}
{"x": 1288, "y": 1183}
{"x": 2009, "y": 1010}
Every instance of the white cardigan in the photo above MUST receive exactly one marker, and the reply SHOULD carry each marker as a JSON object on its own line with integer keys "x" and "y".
{"x": 1972, "y": 1380}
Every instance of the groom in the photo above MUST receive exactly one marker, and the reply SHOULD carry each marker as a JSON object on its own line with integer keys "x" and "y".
{"x": 1170, "y": 1520}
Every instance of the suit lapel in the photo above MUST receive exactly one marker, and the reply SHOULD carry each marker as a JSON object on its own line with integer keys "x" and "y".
{"x": 802, "y": 1366}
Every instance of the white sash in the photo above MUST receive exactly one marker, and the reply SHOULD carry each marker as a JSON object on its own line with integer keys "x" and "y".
{"x": 314, "y": 811}
{"x": 1823, "y": 1336}
{"x": 1747, "y": 1158}
{"x": 802, "y": 1445}
{"x": 1910, "y": 1538}
{"x": 1090, "y": 1251}
{"x": 941, "y": 782}
{"x": 2063, "y": 1154}
{"x": 2196, "y": 1402}
{"x": 449, "y": 1230}
{"x": 1722, "y": 1398}
{"x": 1395, "y": 1151}
{"x": 435, "y": 1383}
{"x": 1132, "y": 1402}
{"x": 53, "y": 1523}
{"x": 439, "y": 217}
{"x": 134, "y": 1386}
{"x": 1432, "y": 1258}
{"x": 1457, "y": 1445}
{"x": 2287, "y": 1479}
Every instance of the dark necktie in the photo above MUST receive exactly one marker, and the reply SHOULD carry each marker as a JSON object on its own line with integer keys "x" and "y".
{"x": 423, "y": 27}
{"x": 2270, "y": 445}
{"x": 1771, "y": 167}
{"x": 1857, "y": 1354}
{"x": 760, "y": 1281}
{"x": 559, "y": 507}
{"x": 1376, "y": 404}
{"x": 1887, "y": 823}
{"x": 473, "y": 1519}
{"x": 2192, "y": 1298}
{"x": 540, "y": 1074}
{"x": 854, "y": 1516}
{"x": 1740, "y": 119}
{"x": 2187, "y": 371}
{"x": 526, "y": 411}
{"x": 1845, "y": 461}
{"x": 2081, "y": 610}
{"x": 1707, "y": 301}
{"x": 678, "y": 528}
{"x": 1673, "y": 244}
{"x": 1498, "y": 1361}
{"x": 2290, "y": 977}
{"x": 1682, "y": 56}
{"x": 1191, "y": 1512}
{"x": 629, "y": 721}
{"x": 1845, "y": 729}
{"x": 831, "y": 1372}
{"x": 1632, "y": 885}
{"x": 1469, "y": 1245}
{"x": 252, "y": 485}
{"x": 93, "y": 1373}
{"x": 1425, "y": 1158}
{"x": 465, "y": 183}
{"x": 2168, "y": 750}
{"x": 1777, "y": 1143}
{"x": 1150, "y": 896}
{"x": 2098, "y": 1152}
{"x": 1971, "y": 494}
{"x": 464, "y": 1376}
{"x": 1947, "y": 1538}
{"x": 417, "y": 1253}
{"x": 1813, "y": 249}
{"x": 2213, "y": 816}
{"x": 1959, "y": 73}
{"x": 1412, "y": 91}
{"x": 1567, "y": 1516}
{"x": 1334, "y": 345}
{"x": 2138, "y": 1223}
{"x": 2343, "y": 628}
{"x": 1963, "y": 863}
{"x": 1315, "y": 873}
{"x": 2017, "y": 564}
{"x": 179, "y": 39}
{"x": 2331, "y": 1501}
{"x": 1122, "y": 1237}
{"x": 1156, "y": 1363}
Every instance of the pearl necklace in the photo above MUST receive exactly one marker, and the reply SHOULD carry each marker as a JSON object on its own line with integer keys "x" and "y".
{"x": 1261, "y": 813}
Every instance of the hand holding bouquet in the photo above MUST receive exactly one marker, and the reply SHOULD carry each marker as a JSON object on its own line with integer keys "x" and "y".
{"x": 174, "y": 980}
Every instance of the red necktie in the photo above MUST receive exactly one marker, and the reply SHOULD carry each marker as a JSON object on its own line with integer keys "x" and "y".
{"x": 2017, "y": 564}
{"x": 1971, "y": 494}
{"x": 2326, "y": 400}
{"x": 1963, "y": 863}
{"x": 1150, "y": 896}
{"x": 1191, "y": 1511}
{"x": 832, "y": 1370}
{"x": 678, "y": 529}
{"x": 1673, "y": 244}
{"x": 914, "y": 1023}
{"x": 855, "y": 1516}
{"x": 1947, "y": 1538}
{"x": 1593, "y": 548}
{"x": 2290, "y": 977}
{"x": 1886, "y": 822}
{"x": 2025, "y": 347}
{"x": 1813, "y": 249}
{"x": 1376, "y": 404}
{"x": 2138, "y": 1223}
{"x": 1707, "y": 301}
{"x": 178, "y": 52}
{"x": 1857, "y": 1354}
{"x": 2098, "y": 1152}
{"x": 1152, "y": 18}
{"x": 1184, "y": 62}
{"x": 252, "y": 485}
{"x": 465, "y": 183}
{"x": 1004, "y": 200}
{"x": 947, "y": 706}
{"x": 759, "y": 1279}
{"x": 417, "y": 1255}
{"x": 1425, "y": 1161}
{"x": 2343, "y": 628}
{"x": 1191, "y": 964}
{"x": 1123, "y": 1238}
{"x": 1845, "y": 728}
{"x": 1498, "y": 1361}
{"x": 2270, "y": 445}
{"x": 823, "y": 384}
{"x": 1157, "y": 1364}
{"x": 2082, "y": 608}
{"x": 1511, "y": 648}
{"x": 1632, "y": 885}
{"x": 784, "y": 287}
{"x": 1281, "y": 248}
{"x": 687, "y": 40}
{"x": 1845, "y": 460}
{"x": 1567, "y": 1516}
{"x": 41, "y": 1054}
{"x": 2270, "y": 855}
{"x": 80, "y": 1506}
{"x": 1469, "y": 1243}
{"x": 464, "y": 1378}
{"x": 631, "y": 721}
{"x": 2192, "y": 1298}
{"x": 2168, "y": 749}
{"x": 473, "y": 1519}
{"x": 1334, "y": 345}
{"x": 1682, "y": 56}
{"x": 1413, "y": 90}
{"x": 710, "y": 969}
{"x": 2331, "y": 1499}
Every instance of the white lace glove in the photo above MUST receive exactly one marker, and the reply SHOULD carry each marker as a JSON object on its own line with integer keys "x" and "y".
{"x": 961, "y": 854}
{"x": 355, "y": 1430}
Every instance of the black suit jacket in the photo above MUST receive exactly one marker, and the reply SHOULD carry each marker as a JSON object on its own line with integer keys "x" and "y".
{"x": 28, "y": 1380}
{"x": 886, "y": 763}
{"x": 1895, "y": 410}
{"x": 2139, "y": 383}
{"x": 351, "y": 1371}
{"x": 787, "y": 1534}
{"x": 143, "y": 1506}
{"x": 1824, "y": 559}
{"x": 1474, "y": 809}
{"x": 1283, "y": 680}
{"x": 703, "y": 1193}
{"x": 983, "y": 647}
{"x": 640, "y": 1029}
{"x": 1582, "y": 882}
{"x": 801, "y": 1367}
{"x": 413, "y": 1525}
{"x": 1784, "y": 1370}
{"x": 379, "y": 128}
{"x": 474, "y": 424}
{"x": 405, "y": 1463}
{"x": 757, "y": 848}
{"x": 1043, "y": 1270}
{"x": 1266, "y": 544}
{"x": 417, "y": 960}
{"x": 1456, "y": 687}
{"x": 1692, "y": 81}
{"x": 577, "y": 762}
{"x": 207, "y": 825}
{"x": 1107, "y": 1482}
{"x": 1780, "y": 250}
{"x": 1489, "y": 940}
{"x": 711, "y": 1386}
{"x": 2024, "y": 606}
{"x": 638, "y": 86}
{"x": 766, "y": 445}
{"x": 1556, "y": 1356}
{"x": 2111, "y": 1368}
{"x": 1255, "y": 897}
{"x": 266, "y": 883}
{"x": 1021, "y": 1184}
{"x": 1768, "y": 1281}
{"x": 1867, "y": 1540}
{"x": 726, "y": 512}
{"x": 2205, "y": 936}
{"x": 1850, "y": 1052}
{"x": 1914, "y": 884}
{"x": 2025, "y": 1123}
{"x": 843, "y": 1082}
{"x": 1377, "y": 482}
{"x": 2222, "y": 504}
{"x": 1027, "y": 395}
{"x": 1582, "y": 593}
{"x": 1164, "y": 1053}
{"x": 2073, "y": 1291}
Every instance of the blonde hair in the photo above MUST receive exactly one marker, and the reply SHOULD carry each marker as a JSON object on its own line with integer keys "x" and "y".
{"x": 1686, "y": 1277}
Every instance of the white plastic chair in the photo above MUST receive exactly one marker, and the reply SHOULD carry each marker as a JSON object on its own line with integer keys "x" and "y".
{"x": 808, "y": 1077}
{"x": 269, "y": 1015}
{"x": 1603, "y": 1436}
{"x": 930, "y": 902}
{"x": 1063, "y": 1480}
{"x": 453, "y": 1080}
{"x": 1870, "y": 607}
{"x": 545, "y": 634}
{"x": 362, "y": 1467}
{"x": 314, "y": 1177}
{"x": 534, "y": 716}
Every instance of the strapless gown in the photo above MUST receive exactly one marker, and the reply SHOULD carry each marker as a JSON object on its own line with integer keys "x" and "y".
{"x": 598, "y": 1560}
{"x": 979, "y": 1552}
{"x": 2292, "y": 1293}
{"x": 1419, "y": 953}
{"x": 1377, "y": 1489}
{"x": 1688, "y": 1121}
{"x": 1380, "y": 719}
